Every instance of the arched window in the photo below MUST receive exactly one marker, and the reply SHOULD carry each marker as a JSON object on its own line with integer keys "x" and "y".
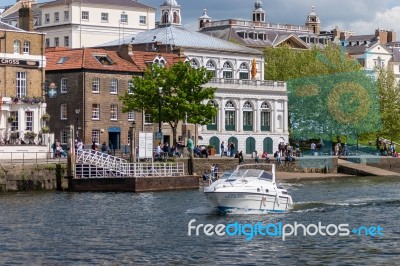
{"x": 165, "y": 17}
{"x": 243, "y": 71}
{"x": 227, "y": 70}
{"x": 230, "y": 116}
{"x": 176, "y": 18}
{"x": 26, "y": 48}
{"x": 160, "y": 61}
{"x": 247, "y": 116}
{"x": 265, "y": 117}
{"x": 194, "y": 63}
{"x": 213, "y": 124}
{"x": 17, "y": 47}
{"x": 211, "y": 67}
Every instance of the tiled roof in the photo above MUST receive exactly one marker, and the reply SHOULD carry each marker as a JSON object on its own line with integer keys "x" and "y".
{"x": 85, "y": 59}
{"x": 126, "y": 3}
{"x": 354, "y": 38}
{"x": 181, "y": 37}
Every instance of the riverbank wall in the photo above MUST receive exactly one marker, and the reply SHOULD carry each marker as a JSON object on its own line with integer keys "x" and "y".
{"x": 42, "y": 176}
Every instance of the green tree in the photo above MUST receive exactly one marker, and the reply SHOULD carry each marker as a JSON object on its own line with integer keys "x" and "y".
{"x": 389, "y": 99}
{"x": 183, "y": 95}
{"x": 329, "y": 95}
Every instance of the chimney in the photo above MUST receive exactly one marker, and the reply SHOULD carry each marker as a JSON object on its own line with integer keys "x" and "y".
{"x": 25, "y": 20}
{"x": 392, "y": 36}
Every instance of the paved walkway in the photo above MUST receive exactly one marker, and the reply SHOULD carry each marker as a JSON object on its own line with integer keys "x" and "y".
{"x": 291, "y": 176}
{"x": 367, "y": 170}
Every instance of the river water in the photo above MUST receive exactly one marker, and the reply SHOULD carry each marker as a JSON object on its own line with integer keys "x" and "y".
{"x": 59, "y": 228}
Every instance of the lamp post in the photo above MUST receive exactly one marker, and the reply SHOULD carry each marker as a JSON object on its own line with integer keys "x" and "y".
{"x": 77, "y": 111}
{"x": 132, "y": 154}
{"x": 160, "y": 94}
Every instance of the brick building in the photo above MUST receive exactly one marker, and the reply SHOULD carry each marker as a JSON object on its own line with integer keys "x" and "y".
{"x": 21, "y": 83}
{"x": 83, "y": 88}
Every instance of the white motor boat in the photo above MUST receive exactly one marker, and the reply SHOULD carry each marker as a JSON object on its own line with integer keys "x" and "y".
{"x": 248, "y": 188}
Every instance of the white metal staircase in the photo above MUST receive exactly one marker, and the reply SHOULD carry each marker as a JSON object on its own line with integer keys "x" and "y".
{"x": 91, "y": 163}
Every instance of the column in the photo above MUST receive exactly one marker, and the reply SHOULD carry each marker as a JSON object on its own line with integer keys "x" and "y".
{"x": 239, "y": 116}
{"x": 257, "y": 117}
{"x": 285, "y": 118}
{"x": 221, "y": 116}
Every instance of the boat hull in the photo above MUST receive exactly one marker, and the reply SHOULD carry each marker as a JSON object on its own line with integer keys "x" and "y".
{"x": 228, "y": 201}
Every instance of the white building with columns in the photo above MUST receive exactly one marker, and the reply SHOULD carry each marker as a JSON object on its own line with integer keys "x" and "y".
{"x": 252, "y": 112}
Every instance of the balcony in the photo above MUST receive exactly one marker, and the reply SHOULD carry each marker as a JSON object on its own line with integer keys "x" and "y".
{"x": 273, "y": 85}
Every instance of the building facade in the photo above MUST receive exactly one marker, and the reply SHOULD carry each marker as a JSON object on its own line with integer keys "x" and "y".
{"x": 83, "y": 89}
{"x": 252, "y": 112}
{"x": 77, "y": 24}
{"x": 22, "y": 67}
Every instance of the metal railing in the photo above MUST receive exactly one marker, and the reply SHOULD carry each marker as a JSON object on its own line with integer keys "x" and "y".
{"x": 131, "y": 170}
{"x": 91, "y": 163}
{"x": 25, "y": 157}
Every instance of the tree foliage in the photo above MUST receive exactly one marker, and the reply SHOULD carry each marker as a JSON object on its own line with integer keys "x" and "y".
{"x": 329, "y": 94}
{"x": 389, "y": 99}
{"x": 182, "y": 98}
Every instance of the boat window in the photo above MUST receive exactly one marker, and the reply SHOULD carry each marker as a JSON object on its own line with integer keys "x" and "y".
{"x": 266, "y": 175}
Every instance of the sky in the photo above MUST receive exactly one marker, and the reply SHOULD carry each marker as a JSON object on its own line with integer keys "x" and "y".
{"x": 361, "y": 16}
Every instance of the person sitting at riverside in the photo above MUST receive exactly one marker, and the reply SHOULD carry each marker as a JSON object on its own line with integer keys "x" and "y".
{"x": 241, "y": 159}
{"x": 256, "y": 157}
{"x": 197, "y": 151}
{"x": 277, "y": 155}
{"x": 60, "y": 151}
{"x": 204, "y": 152}
{"x": 265, "y": 156}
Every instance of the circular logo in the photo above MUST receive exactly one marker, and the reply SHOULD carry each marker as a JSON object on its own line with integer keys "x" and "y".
{"x": 348, "y": 102}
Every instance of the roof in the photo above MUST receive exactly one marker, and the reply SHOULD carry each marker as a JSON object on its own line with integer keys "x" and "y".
{"x": 127, "y": 3}
{"x": 181, "y": 37}
{"x": 84, "y": 58}
{"x": 353, "y": 38}
{"x": 5, "y": 26}
{"x": 396, "y": 54}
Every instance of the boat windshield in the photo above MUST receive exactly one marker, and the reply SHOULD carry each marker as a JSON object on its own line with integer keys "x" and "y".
{"x": 251, "y": 173}
{"x": 226, "y": 175}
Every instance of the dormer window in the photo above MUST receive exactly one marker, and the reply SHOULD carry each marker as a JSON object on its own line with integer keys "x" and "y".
{"x": 160, "y": 61}
{"x": 104, "y": 60}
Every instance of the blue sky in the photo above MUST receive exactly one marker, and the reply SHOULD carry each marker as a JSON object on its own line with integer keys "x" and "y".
{"x": 361, "y": 16}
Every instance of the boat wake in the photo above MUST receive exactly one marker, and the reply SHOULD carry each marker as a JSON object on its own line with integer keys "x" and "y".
{"x": 329, "y": 206}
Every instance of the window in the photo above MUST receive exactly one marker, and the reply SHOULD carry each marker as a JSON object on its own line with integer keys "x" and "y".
{"x": 211, "y": 67}
{"x": 14, "y": 124}
{"x": 148, "y": 119}
{"x": 96, "y": 111}
{"x": 66, "y": 41}
{"x": 96, "y": 85}
{"x": 114, "y": 86}
{"x": 194, "y": 63}
{"x": 247, "y": 117}
{"x": 17, "y": 47}
{"x": 114, "y": 112}
{"x": 176, "y": 17}
{"x": 96, "y": 135}
{"x": 56, "y": 17}
{"x": 21, "y": 84}
{"x": 165, "y": 17}
{"x": 131, "y": 116}
{"x": 227, "y": 70}
{"x": 63, "y": 59}
{"x": 66, "y": 15}
{"x": 47, "y": 42}
{"x": 142, "y": 19}
{"x": 104, "y": 17}
{"x": 85, "y": 15}
{"x": 63, "y": 85}
{"x": 124, "y": 18}
{"x": 29, "y": 120}
{"x": 56, "y": 41}
{"x": 265, "y": 117}
{"x": 243, "y": 71}
{"x": 64, "y": 136}
{"x": 47, "y": 18}
{"x": 130, "y": 87}
{"x": 104, "y": 59}
{"x": 63, "y": 111}
{"x": 27, "y": 46}
{"x": 213, "y": 124}
{"x": 229, "y": 116}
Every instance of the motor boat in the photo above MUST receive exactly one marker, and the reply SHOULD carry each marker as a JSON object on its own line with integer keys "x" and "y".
{"x": 248, "y": 188}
